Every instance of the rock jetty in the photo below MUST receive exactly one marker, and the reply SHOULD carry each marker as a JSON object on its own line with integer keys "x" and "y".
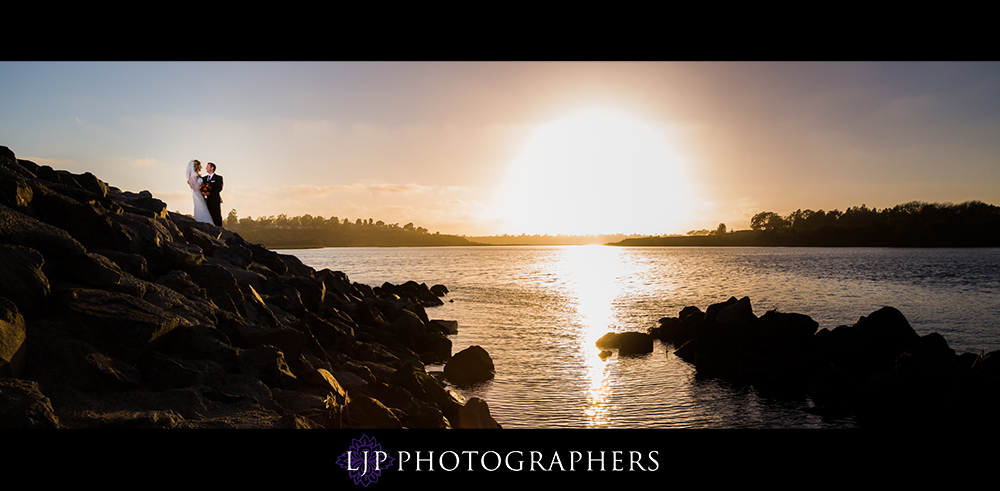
{"x": 117, "y": 313}
{"x": 878, "y": 369}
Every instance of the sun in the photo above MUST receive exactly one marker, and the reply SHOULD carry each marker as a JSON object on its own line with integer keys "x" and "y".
{"x": 596, "y": 171}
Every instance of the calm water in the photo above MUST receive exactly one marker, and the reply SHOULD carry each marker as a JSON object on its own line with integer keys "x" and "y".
{"x": 539, "y": 310}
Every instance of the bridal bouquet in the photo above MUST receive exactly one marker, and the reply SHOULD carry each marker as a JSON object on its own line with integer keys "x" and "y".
{"x": 205, "y": 189}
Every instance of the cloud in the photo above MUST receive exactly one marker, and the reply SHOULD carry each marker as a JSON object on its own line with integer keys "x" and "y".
{"x": 313, "y": 127}
{"x": 396, "y": 188}
{"x": 313, "y": 191}
{"x": 747, "y": 207}
{"x": 143, "y": 162}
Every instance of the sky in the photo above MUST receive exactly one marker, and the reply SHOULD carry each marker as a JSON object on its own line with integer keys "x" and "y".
{"x": 489, "y": 148}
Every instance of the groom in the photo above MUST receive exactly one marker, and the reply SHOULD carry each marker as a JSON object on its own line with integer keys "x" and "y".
{"x": 213, "y": 199}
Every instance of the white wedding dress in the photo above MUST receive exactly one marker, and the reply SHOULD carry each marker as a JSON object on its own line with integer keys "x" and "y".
{"x": 201, "y": 213}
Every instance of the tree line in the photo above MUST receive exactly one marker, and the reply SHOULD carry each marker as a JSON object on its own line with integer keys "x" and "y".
{"x": 916, "y": 223}
{"x": 913, "y": 224}
{"x": 305, "y": 231}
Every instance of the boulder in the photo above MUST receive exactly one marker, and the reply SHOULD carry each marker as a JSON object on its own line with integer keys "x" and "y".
{"x": 23, "y": 406}
{"x": 327, "y": 381}
{"x": 475, "y": 414}
{"x": 471, "y": 365}
{"x": 445, "y": 326}
{"x": 124, "y": 325}
{"x": 627, "y": 343}
{"x": 12, "y": 335}
{"x": 22, "y": 279}
{"x": 736, "y": 313}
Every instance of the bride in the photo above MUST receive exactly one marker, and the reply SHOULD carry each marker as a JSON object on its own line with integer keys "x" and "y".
{"x": 201, "y": 213}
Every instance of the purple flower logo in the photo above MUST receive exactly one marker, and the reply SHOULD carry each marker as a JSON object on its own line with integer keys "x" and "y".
{"x": 365, "y": 460}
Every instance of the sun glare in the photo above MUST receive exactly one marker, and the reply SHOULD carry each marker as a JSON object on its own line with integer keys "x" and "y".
{"x": 597, "y": 171}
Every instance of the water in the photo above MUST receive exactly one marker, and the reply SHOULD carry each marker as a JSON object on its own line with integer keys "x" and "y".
{"x": 539, "y": 310}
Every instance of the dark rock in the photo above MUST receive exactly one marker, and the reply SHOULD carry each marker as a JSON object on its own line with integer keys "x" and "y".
{"x": 713, "y": 310}
{"x": 678, "y": 330}
{"x": 689, "y": 311}
{"x": 312, "y": 291}
{"x": 94, "y": 270}
{"x": 86, "y": 369}
{"x": 125, "y": 325}
{"x": 12, "y": 336}
{"x": 294, "y": 266}
{"x": 209, "y": 243}
{"x": 236, "y": 255}
{"x": 269, "y": 259}
{"x": 180, "y": 256}
{"x": 471, "y": 365}
{"x": 436, "y": 344}
{"x": 15, "y": 187}
{"x": 271, "y": 367}
{"x": 22, "y": 279}
{"x": 161, "y": 372}
{"x": 476, "y": 414}
{"x": 23, "y": 406}
{"x": 739, "y": 313}
{"x": 365, "y": 412}
{"x": 332, "y": 334}
{"x": 20, "y": 229}
{"x": 134, "y": 264}
{"x": 411, "y": 411}
{"x": 145, "y": 203}
{"x": 634, "y": 343}
{"x": 878, "y": 369}
{"x": 326, "y": 381}
{"x": 627, "y": 343}
{"x": 446, "y": 327}
{"x": 428, "y": 389}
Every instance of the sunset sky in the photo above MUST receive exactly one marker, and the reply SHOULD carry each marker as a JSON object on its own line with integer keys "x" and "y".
{"x": 519, "y": 147}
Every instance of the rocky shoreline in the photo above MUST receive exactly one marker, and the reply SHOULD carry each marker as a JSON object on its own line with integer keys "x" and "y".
{"x": 878, "y": 370}
{"x": 116, "y": 313}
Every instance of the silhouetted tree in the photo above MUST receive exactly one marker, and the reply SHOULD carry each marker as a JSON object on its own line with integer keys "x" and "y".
{"x": 232, "y": 219}
{"x": 768, "y": 220}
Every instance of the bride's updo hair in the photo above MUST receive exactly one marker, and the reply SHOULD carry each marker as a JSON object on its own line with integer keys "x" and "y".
{"x": 197, "y": 164}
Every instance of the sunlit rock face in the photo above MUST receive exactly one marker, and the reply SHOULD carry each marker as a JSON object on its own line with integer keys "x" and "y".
{"x": 117, "y": 313}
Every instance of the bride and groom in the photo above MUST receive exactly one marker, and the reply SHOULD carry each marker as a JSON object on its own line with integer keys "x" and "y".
{"x": 205, "y": 192}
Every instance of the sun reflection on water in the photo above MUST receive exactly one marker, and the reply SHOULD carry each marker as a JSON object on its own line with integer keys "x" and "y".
{"x": 594, "y": 277}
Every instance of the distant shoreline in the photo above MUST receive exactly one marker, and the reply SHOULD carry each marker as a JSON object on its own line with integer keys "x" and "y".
{"x": 826, "y": 237}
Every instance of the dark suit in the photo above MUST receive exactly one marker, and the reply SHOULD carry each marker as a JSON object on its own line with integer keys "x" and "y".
{"x": 214, "y": 200}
